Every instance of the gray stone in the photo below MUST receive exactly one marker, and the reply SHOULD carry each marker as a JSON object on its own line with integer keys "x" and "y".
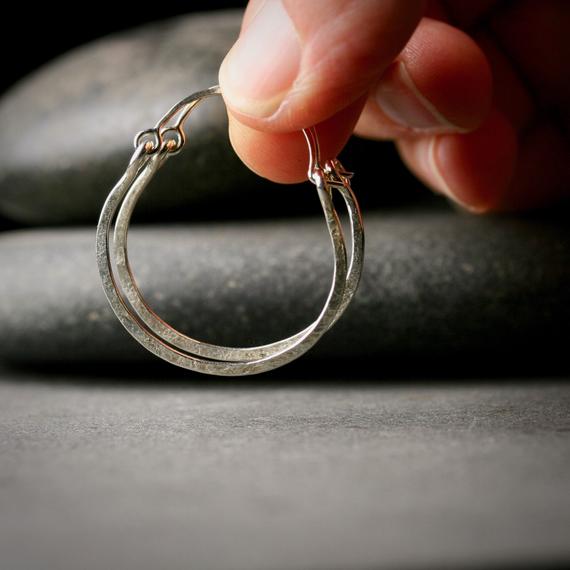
{"x": 232, "y": 475}
{"x": 66, "y": 131}
{"x": 437, "y": 285}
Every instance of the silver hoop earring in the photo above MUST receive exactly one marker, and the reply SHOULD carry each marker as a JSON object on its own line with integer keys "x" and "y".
{"x": 152, "y": 148}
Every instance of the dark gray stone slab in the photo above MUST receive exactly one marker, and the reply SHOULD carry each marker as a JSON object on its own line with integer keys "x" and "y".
{"x": 240, "y": 476}
{"x": 437, "y": 284}
{"x": 66, "y": 132}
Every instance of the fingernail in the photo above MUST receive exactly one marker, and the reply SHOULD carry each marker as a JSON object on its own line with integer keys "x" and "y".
{"x": 400, "y": 99}
{"x": 262, "y": 65}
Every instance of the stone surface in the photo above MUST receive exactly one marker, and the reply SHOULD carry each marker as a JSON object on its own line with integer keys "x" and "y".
{"x": 437, "y": 285}
{"x": 244, "y": 476}
{"x": 66, "y": 132}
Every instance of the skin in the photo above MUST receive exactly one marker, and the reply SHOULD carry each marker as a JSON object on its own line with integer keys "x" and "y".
{"x": 474, "y": 94}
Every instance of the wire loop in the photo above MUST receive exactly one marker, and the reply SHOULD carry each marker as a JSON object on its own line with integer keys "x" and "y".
{"x": 152, "y": 148}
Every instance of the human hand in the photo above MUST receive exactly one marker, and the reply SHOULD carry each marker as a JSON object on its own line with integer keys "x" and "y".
{"x": 474, "y": 94}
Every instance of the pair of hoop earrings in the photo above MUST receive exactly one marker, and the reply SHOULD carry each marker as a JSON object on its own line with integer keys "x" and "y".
{"x": 153, "y": 147}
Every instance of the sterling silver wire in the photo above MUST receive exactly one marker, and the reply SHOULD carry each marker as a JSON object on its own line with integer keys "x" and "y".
{"x": 153, "y": 148}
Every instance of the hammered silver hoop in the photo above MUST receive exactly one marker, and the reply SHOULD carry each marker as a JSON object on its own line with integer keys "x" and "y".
{"x": 152, "y": 148}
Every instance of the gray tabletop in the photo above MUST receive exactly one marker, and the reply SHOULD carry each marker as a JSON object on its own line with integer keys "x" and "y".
{"x": 208, "y": 474}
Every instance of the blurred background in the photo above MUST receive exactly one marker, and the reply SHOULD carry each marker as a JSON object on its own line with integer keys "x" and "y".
{"x": 53, "y": 30}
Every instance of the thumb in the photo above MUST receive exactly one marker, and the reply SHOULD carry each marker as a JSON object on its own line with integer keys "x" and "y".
{"x": 297, "y": 63}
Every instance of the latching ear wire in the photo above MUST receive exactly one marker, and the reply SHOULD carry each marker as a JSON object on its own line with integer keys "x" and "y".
{"x": 152, "y": 149}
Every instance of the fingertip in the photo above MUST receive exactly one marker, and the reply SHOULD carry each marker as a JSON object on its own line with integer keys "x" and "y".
{"x": 283, "y": 157}
{"x": 297, "y": 64}
{"x": 440, "y": 83}
{"x": 473, "y": 170}
{"x": 451, "y": 71}
{"x": 264, "y": 153}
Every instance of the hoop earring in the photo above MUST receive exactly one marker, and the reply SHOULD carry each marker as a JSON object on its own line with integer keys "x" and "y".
{"x": 152, "y": 148}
